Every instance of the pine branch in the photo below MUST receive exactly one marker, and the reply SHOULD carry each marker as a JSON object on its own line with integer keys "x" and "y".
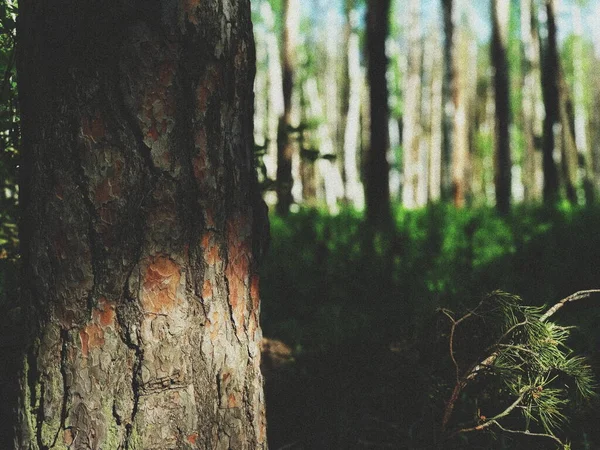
{"x": 570, "y": 299}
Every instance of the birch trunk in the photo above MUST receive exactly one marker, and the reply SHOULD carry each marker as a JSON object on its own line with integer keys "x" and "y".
{"x": 285, "y": 147}
{"x": 353, "y": 189}
{"x": 414, "y": 172}
{"x": 533, "y": 113}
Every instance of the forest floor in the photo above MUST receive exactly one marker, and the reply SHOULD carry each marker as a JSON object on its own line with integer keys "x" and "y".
{"x": 346, "y": 364}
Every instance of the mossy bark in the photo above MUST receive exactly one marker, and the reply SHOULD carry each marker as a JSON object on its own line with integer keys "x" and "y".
{"x": 142, "y": 227}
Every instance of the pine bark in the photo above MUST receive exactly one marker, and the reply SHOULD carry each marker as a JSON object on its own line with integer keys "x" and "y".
{"x": 142, "y": 227}
{"x": 502, "y": 166}
{"x": 377, "y": 189}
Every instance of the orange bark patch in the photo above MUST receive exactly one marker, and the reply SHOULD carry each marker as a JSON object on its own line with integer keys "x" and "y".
{"x": 160, "y": 285}
{"x": 232, "y": 401}
{"x": 192, "y": 438}
{"x": 200, "y": 167}
{"x": 213, "y": 325}
{"x": 104, "y": 314}
{"x": 190, "y": 8}
{"x": 92, "y": 336}
{"x": 211, "y": 249}
{"x": 68, "y": 437}
{"x": 207, "y": 291}
{"x": 254, "y": 291}
{"x": 238, "y": 269}
{"x": 152, "y": 133}
{"x": 93, "y": 128}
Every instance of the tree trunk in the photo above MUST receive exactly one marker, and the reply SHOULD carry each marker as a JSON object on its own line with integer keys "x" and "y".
{"x": 581, "y": 114}
{"x": 532, "y": 99}
{"x": 285, "y": 148}
{"x": 275, "y": 94}
{"x": 412, "y": 132}
{"x": 353, "y": 189}
{"x": 142, "y": 227}
{"x": 569, "y": 148}
{"x": 448, "y": 99}
{"x": 377, "y": 189}
{"x": 435, "y": 119}
{"x": 465, "y": 67}
{"x": 502, "y": 178}
{"x": 550, "y": 93}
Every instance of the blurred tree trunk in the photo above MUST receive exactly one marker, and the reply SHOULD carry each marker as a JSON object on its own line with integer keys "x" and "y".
{"x": 285, "y": 148}
{"x": 581, "y": 116}
{"x": 434, "y": 118}
{"x": 532, "y": 99}
{"x": 353, "y": 189}
{"x": 377, "y": 189}
{"x": 502, "y": 166}
{"x": 414, "y": 173}
{"x": 142, "y": 227}
{"x": 465, "y": 67}
{"x": 568, "y": 147}
{"x": 275, "y": 104}
{"x": 448, "y": 98}
{"x": 550, "y": 91}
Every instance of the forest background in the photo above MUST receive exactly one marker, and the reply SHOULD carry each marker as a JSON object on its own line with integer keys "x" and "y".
{"x": 416, "y": 155}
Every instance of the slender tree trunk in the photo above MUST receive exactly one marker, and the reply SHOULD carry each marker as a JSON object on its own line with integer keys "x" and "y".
{"x": 532, "y": 104}
{"x": 285, "y": 148}
{"x": 581, "y": 116}
{"x": 448, "y": 99}
{"x": 411, "y": 128}
{"x": 569, "y": 148}
{"x": 141, "y": 227}
{"x": 502, "y": 178}
{"x": 436, "y": 120}
{"x": 353, "y": 189}
{"x": 377, "y": 189}
{"x": 274, "y": 91}
{"x": 465, "y": 65}
{"x": 550, "y": 68}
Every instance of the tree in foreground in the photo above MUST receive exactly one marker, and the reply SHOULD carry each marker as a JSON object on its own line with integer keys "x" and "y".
{"x": 141, "y": 227}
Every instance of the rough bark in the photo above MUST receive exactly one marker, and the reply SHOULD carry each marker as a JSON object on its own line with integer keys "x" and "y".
{"x": 141, "y": 230}
{"x": 377, "y": 189}
{"x": 502, "y": 166}
{"x": 550, "y": 66}
{"x": 285, "y": 148}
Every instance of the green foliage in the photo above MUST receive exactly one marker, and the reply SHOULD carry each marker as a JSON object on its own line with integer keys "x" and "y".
{"x": 368, "y": 312}
{"x": 9, "y": 131}
{"x": 523, "y": 367}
